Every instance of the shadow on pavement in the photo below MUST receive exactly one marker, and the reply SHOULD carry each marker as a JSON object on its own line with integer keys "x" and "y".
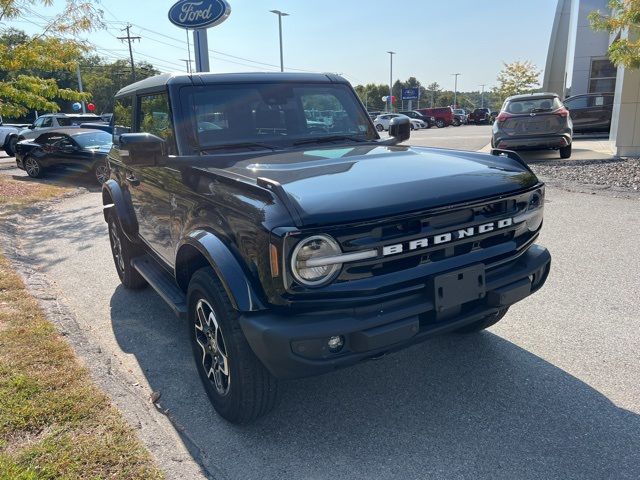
{"x": 454, "y": 407}
{"x": 62, "y": 178}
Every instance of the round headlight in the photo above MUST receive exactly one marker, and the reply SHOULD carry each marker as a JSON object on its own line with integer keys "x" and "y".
{"x": 317, "y": 247}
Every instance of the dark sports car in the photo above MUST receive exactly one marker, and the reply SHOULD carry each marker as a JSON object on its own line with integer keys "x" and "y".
{"x": 76, "y": 148}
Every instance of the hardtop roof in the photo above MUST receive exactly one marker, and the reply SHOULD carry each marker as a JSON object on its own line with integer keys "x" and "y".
{"x": 166, "y": 79}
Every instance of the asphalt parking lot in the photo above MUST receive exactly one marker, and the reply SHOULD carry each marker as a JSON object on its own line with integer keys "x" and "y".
{"x": 553, "y": 391}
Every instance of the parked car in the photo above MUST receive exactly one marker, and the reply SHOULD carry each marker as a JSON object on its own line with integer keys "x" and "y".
{"x": 460, "y": 117}
{"x": 493, "y": 115}
{"x": 381, "y": 122}
{"x": 534, "y": 121}
{"x": 9, "y": 136}
{"x": 290, "y": 252}
{"x": 480, "y": 116}
{"x": 77, "y": 148}
{"x": 54, "y": 121}
{"x": 373, "y": 115}
{"x": 444, "y": 115}
{"x": 428, "y": 121}
{"x": 591, "y": 112}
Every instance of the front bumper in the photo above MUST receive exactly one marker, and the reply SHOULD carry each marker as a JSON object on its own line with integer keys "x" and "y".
{"x": 294, "y": 345}
{"x": 539, "y": 141}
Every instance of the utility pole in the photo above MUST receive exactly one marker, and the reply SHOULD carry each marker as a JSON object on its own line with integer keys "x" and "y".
{"x": 455, "y": 90}
{"x": 129, "y": 39}
{"x": 482, "y": 96}
{"x": 81, "y": 89}
{"x": 391, "y": 54}
{"x": 188, "y": 52}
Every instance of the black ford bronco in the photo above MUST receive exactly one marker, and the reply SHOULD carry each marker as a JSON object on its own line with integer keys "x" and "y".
{"x": 266, "y": 210}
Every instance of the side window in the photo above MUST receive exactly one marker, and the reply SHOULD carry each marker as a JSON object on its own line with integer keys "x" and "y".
{"x": 122, "y": 115}
{"x": 576, "y": 102}
{"x": 38, "y": 123}
{"x": 154, "y": 117}
{"x": 47, "y": 122}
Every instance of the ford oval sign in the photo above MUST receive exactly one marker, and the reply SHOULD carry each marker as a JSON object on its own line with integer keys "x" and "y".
{"x": 195, "y": 14}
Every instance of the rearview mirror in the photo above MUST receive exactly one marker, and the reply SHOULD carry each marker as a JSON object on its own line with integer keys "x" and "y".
{"x": 143, "y": 149}
{"x": 400, "y": 129}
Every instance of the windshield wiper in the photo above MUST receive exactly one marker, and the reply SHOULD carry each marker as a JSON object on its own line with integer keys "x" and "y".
{"x": 332, "y": 138}
{"x": 239, "y": 145}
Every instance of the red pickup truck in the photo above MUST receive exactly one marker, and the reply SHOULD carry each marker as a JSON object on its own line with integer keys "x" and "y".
{"x": 443, "y": 115}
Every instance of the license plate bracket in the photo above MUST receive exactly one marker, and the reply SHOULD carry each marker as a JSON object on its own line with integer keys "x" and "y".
{"x": 458, "y": 287}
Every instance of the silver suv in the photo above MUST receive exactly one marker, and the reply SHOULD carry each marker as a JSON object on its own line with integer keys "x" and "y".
{"x": 533, "y": 121}
{"x": 53, "y": 121}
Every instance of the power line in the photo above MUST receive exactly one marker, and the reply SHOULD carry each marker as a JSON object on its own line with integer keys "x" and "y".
{"x": 129, "y": 39}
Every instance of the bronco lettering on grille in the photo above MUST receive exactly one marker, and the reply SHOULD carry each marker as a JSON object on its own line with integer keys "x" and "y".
{"x": 447, "y": 237}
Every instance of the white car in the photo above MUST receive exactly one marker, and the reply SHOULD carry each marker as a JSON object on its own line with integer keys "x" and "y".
{"x": 381, "y": 122}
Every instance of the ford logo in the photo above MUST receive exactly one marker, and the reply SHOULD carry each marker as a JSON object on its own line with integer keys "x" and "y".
{"x": 193, "y": 14}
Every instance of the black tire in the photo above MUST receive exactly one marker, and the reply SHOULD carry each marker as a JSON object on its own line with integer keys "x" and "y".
{"x": 484, "y": 323}
{"x": 101, "y": 172}
{"x": 565, "y": 152}
{"x": 456, "y": 123}
{"x": 246, "y": 390}
{"x": 412, "y": 127}
{"x": 379, "y": 127}
{"x": 33, "y": 167}
{"x": 493, "y": 143}
{"x": 123, "y": 251}
{"x": 10, "y": 146}
{"x": 440, "y": 124}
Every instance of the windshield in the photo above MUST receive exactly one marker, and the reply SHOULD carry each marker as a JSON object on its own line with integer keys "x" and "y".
{"x": 533, "y": 105}
{"x": 69, "y": 121}
{"x": 274, "y": 113}
{"x": 93, "y": 139}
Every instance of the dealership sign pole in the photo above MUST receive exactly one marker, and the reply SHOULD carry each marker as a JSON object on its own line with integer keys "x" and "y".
{"x": 199, "y": 15}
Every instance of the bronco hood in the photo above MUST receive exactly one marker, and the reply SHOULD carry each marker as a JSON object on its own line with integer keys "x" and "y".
{"x": 337, "y": 185}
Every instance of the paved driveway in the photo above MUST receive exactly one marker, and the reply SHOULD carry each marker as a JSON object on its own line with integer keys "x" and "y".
{"x": 553, "y": 391}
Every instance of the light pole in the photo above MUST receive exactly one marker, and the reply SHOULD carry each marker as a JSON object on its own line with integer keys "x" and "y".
{"x": 455, "y": 90}
{"x": 280, "y": 15}
{"x": 391, "y": 54}
{"x": 482, "y": 96}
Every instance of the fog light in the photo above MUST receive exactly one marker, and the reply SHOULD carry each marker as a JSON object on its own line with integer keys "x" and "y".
{"x": 336, "y": 343}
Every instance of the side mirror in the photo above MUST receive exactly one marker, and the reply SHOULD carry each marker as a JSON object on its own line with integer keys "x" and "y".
{"x": 143, "y": 149}
{"x": 400, "y": 129}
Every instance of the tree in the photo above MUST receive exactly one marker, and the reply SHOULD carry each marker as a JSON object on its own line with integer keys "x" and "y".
{"x": 28, "y": 63}
{"x": 516, "y": 78}
{"x": 433, "y": 92}
{"x": 623, "y": 21}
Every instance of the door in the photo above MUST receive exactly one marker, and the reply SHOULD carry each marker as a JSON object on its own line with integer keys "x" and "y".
{"x": 581, "y": 115}
{"x": 601, "y": 106}
{"x": 68, "y": 152}
{"x": 150, "y": 185}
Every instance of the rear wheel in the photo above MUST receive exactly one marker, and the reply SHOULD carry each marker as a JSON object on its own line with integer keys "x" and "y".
{"x": 123, "y": 251}
{"x": 379, "y": 127}
{"x": 440, "y": 124}
{"x": 240, "y": 388}
{"x": 33, "y": 167}
{"x": 565, "y": 152}
{"x": 484, "y": 323}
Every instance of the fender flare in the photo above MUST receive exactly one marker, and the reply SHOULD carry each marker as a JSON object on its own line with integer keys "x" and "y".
{"x": 114, "y": 197}
{"x": 233, "y": 277}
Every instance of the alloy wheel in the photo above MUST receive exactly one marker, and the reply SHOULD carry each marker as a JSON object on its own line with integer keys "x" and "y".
{"x": 102, "y": 173}
{"x": 116, "y": 245}
{"x": 215, "y": 360}
{"x": 32, "y": 167}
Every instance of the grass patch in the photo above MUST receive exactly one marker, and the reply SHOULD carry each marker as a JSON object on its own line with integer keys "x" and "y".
{"x": 16, "y": 194}
{"x": 54, "y": 422}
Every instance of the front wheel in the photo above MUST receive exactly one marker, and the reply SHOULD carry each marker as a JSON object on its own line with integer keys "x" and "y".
{"x": 101, "y": 172}
{"x": 440, "y": 124}
{"x": 565, "y": 152}
{"x": 456, "y": 123}
{"x": 379, "y": 127}
{"x": 240, "y": 388}
{"x": 10, "y": 146}
{"x": 484, "y": 323}
{"x": 33, "y": 167}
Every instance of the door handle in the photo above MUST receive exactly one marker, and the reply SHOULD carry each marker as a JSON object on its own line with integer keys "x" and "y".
{"x": 132, "y": 179}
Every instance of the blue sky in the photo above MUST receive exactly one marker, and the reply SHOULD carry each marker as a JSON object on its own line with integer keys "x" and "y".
{"x": 432, "y": 38}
